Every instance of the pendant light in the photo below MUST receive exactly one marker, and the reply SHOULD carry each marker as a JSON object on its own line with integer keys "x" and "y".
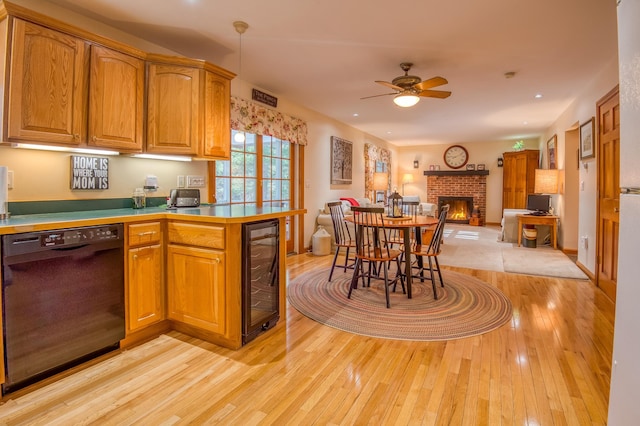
{"x": 240, "y": 27}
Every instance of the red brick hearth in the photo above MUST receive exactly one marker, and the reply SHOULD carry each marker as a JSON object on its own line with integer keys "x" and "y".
{"x": 458, "y": 184}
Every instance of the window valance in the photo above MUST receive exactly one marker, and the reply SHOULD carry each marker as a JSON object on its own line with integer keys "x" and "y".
{"x": 251, "y": 117}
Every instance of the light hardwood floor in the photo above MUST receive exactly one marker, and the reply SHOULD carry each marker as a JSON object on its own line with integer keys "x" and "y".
{"x": 549, "y": 366}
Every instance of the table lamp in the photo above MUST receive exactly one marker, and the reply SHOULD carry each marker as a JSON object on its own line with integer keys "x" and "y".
{"x": 546, "y": 181}
{"x": 380, "y": 182}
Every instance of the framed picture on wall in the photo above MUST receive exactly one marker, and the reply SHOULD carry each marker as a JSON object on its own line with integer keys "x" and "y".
{"x": 587, "y": 140}
{"x": 341, "y": 161}
{"x": 551, "y": 152}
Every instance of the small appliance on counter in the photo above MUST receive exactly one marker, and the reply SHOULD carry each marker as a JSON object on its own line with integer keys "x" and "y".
{"x": 183, "y": 198}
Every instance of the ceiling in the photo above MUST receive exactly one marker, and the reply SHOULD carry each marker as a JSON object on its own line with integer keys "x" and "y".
{"x": 326, "y": 55}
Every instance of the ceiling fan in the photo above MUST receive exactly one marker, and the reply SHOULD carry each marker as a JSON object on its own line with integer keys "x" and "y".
{"x": 409, "y": 88}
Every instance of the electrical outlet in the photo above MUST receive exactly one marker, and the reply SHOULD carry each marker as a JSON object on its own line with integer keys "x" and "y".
{"x": 10, "y": 179}
{"x": 195, "y": 181}
{"x": 180, "y": 183}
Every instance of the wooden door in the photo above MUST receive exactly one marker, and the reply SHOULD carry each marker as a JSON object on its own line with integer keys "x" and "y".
{"x": 145, "y": 290}
{"x": 608, "y": 217}
{"x": 47, "y": 86}
{"x": 116, "y": 100}
{"x": 173, "y": 110}
{"x": 196, "y": 287}
{"x": 217, "y": 125}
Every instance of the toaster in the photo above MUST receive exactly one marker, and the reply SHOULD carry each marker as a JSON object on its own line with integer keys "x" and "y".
{"x": 184, "y": 198}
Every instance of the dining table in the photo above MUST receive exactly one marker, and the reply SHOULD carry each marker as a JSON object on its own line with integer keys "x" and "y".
{"x": 406, "y": 224}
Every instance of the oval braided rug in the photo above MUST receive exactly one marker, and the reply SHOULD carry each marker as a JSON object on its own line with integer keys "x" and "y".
{"x": 466, "y": 306}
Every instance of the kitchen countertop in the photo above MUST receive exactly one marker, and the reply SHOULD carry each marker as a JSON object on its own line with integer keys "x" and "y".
{"x": 205, "y": 213}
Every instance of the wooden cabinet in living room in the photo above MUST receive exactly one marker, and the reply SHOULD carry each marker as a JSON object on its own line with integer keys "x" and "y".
{"x": 47, "y": 86}
{"x": 518, "y": 177}
{"x": 145, "y": 275}
{"x": 116, "y": 100}
{"x": 196, "y": 276}
{"x": 188, "y": 103}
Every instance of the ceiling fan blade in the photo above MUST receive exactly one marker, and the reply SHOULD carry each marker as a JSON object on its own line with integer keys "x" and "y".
{"x": 441, "y": 94}
{"x": 390, "y": 85}
{"x": 432, "y": 82}
{"x": 375, "y": 96}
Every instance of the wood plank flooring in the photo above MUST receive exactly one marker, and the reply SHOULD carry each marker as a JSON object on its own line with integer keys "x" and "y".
{"x": 549, "y": 366}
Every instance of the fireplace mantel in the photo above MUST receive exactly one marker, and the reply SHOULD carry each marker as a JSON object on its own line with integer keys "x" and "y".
{"x": 456, "y": 172}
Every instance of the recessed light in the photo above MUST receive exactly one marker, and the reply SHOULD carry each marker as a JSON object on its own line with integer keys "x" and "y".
{"x": 538, "y": 95}
{"x": 389, "y": 133}
{"x": 356, "y": 115}
{"x": 525, "y": 122}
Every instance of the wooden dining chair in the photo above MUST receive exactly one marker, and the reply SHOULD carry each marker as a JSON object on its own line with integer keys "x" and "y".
{"x": 373, "y": 249}
{"x": 343, "y": 238}
{"x": 430, "y": 250}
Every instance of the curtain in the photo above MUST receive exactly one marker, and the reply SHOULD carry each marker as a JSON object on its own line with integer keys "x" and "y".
{"x": 373, "y": 154}
{"x": 251, "y": 117}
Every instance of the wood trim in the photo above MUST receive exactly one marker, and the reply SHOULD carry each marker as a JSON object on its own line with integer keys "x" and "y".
{"x": 301, "y": 192}
{"x": 456, "y": 172}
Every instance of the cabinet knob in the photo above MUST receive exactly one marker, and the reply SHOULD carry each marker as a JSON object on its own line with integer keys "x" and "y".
{"x": 217, "y": 260}
{"x": 76, "y": 136}
{"x": 616, "y": 210}
{"x": 94, "y": 138}
{"x": 135, "y": 257}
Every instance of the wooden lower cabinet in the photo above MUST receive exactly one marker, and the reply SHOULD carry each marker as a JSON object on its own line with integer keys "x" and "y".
{"x": 146, "y": 301}
{"x": 196, "y": 287}
{"x": 146, "y": 292}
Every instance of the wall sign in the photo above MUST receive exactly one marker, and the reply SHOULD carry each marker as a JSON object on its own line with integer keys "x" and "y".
{"x": 265, "y": 98}
{"x": 89, "y": 172}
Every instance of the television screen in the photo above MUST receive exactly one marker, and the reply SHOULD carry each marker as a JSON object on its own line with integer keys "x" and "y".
{"x": 538, "y": 202}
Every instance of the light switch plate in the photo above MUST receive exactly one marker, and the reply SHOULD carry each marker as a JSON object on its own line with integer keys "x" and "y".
{"x": 180, "y": 182}
{"x": 195, "y": 181}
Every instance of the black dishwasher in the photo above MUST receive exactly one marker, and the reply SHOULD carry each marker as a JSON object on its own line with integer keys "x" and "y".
{"x": 63, "y": 299}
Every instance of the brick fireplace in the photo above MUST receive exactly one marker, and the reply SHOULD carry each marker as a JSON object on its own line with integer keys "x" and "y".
{"x": 453, "y": 184}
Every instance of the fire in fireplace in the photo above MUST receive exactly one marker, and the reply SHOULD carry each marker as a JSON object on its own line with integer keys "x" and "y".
{"x": 460, "y": 208}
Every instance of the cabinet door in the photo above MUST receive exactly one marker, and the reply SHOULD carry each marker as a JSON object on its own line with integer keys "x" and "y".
{"x": 116, "y": 100}
{"x": 196, "y": 281}
{"x": 217, "y": 120}
{"x": 173, "y": 110}
{"x": 145, "y": 291}
{"x": 47, "y": 86}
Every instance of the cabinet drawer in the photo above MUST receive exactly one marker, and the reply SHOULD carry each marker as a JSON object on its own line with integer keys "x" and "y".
{"x": 144, "y": 233}
{"x": 196, "y": 235}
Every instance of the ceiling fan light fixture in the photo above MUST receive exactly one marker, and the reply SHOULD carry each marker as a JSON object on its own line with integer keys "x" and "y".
{"x": 406, "y": 100}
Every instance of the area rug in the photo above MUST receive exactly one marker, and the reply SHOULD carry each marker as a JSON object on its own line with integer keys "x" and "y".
{"x": 478, "y": 247}
{"x": 465, "y": 307}
{"x": 547, "y": 261}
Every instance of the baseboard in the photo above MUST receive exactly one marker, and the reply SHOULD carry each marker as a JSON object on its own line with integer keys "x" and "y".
{"x": 570, "y": 252}
{"x": 586, "y": 271}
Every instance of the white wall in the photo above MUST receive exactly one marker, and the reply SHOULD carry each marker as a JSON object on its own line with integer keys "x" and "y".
{"x": 46, "y": 175}
{"x": 625, "y": 375}
{"x": 581, "y": 110}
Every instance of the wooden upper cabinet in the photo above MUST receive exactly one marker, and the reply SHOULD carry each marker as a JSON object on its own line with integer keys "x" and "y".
{"x": 116, "y": 100}
{"x": 173, "y": 105}
{"x": 217, "y": 120}
{"x": 188, "y": 108}
{"x": 47, "y": 86}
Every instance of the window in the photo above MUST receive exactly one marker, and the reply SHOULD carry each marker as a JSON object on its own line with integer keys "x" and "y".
{"x": 258, "y": 162}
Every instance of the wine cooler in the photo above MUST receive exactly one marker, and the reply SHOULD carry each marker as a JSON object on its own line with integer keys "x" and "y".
{"x": 260, "y": 278}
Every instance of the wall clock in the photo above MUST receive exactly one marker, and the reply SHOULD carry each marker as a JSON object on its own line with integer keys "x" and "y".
{"x": 456, "y": 156}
